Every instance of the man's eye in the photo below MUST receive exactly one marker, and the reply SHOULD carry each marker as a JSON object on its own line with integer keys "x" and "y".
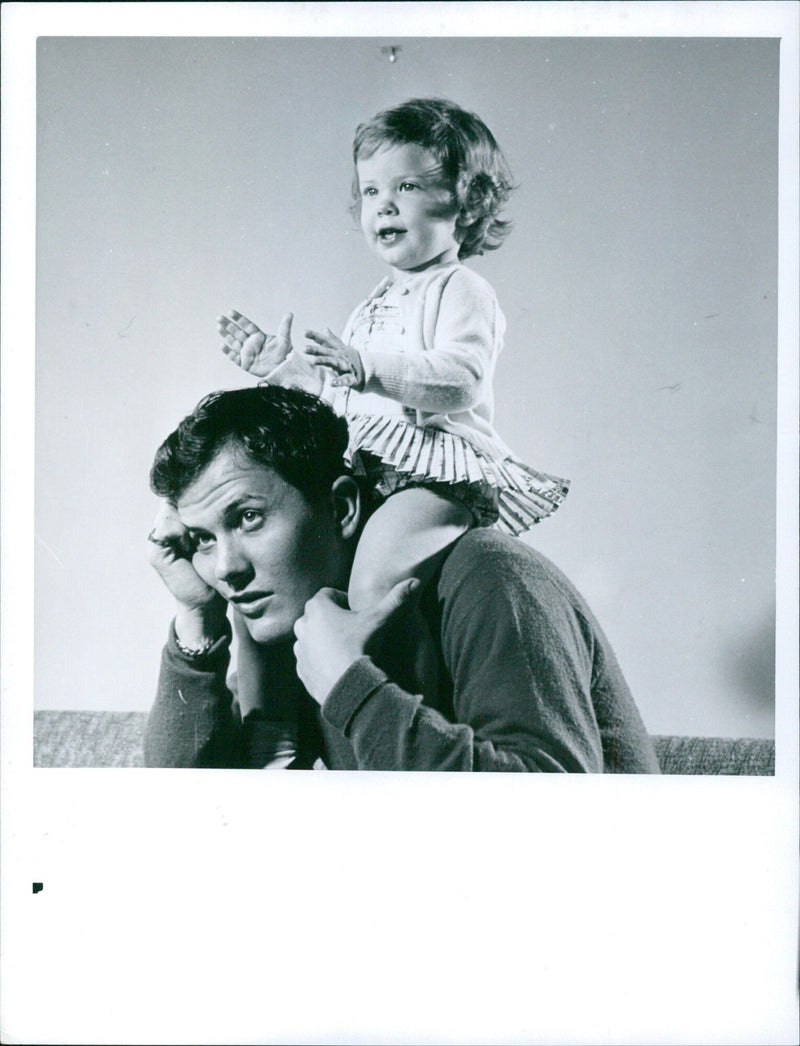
{"x": 202, "y": 542}
{"x": 251, "y": 519}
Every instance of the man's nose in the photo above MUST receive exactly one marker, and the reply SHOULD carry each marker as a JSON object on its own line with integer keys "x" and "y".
{"x": 232, "y": 565}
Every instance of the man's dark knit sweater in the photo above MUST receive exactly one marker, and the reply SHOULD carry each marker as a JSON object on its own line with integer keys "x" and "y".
{"x": 530, "y": 683}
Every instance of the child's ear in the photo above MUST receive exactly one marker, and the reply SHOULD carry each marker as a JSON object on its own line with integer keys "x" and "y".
{"x": 346, "y": 501}
{"x": 464, "y": 222}
{"x": 477, "y": 199}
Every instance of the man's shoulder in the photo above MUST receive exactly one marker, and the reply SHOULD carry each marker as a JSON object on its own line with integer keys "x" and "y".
{"x": 493, "y": 587}
{"x": 485, "y": 559}
{"x": 482, "y": 542}
{"x": 493, "y": 581}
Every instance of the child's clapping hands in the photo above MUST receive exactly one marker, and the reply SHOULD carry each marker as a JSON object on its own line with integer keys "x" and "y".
{"x": 259, "y": 353}
{"x": 250, "y": 348}
{"x": 326, "y": 350}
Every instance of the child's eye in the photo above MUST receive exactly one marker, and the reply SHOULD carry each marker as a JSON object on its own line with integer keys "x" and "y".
{"x": 369, "y": 191}
{"x": 407, "y": 186}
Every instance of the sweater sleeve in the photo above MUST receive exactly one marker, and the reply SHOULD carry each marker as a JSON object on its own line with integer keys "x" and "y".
{"x": 450, "y": 375}
{"x": 294, "y": 373}
{"x": 192, "y": 722}
{"x": 521, "y": 670}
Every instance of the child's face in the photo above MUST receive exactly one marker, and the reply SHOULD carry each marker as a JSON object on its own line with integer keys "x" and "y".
{"x": 408, "y": 216}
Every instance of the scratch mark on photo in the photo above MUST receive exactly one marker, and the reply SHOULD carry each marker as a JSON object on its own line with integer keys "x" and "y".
{"x": 124, "y": 332}
{"x": 44, "y": 544}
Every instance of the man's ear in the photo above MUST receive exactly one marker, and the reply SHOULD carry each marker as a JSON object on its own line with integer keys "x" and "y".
{"x": 346, "y": 499}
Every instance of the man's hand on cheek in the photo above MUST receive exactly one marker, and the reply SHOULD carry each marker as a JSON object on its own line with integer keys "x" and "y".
{"x": 200, "y": 611}
{"x": 330, "y": 637}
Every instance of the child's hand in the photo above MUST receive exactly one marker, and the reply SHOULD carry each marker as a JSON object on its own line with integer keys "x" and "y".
{"x": 329, "y": 351}
{"x": 250, "y": 348}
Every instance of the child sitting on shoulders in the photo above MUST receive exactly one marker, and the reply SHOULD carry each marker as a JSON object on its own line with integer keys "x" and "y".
{"x": 413, "y": 370}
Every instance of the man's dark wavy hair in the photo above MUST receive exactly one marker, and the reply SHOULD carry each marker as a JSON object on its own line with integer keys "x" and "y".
{"x": 287, "y": 430}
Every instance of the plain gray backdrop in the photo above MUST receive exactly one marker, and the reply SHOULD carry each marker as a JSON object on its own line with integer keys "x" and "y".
{"x": 177, "y": 178}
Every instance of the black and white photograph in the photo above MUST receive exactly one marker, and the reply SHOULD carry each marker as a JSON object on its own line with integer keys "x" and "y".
{"x": 401, "y": 387}
{"x": 618, "y": 327}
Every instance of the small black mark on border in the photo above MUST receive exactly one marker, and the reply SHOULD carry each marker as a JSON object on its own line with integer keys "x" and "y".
{"x": 38, "y": 887}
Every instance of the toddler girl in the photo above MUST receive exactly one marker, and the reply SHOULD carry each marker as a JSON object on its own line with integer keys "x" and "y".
{"x": 413, "y": 370}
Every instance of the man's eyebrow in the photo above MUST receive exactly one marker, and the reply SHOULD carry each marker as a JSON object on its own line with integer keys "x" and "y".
{"x": 231, "y": 511}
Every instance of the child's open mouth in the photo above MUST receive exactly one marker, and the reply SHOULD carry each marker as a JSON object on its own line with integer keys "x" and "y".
{"x": 390, "y": 235}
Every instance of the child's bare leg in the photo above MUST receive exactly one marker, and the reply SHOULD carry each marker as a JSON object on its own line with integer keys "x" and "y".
{"x": 264, "y": 676}
{"x": 407, "y": 537}
{"x": 404, "y": 538}
{"x": 251, "y": 675}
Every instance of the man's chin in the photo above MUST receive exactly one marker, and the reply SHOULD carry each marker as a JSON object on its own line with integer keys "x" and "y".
{"x": 266, "y": 630}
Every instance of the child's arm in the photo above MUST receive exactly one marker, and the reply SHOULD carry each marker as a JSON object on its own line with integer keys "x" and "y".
{"x": 444, "y": 369}
{"x": 452, "y": 357}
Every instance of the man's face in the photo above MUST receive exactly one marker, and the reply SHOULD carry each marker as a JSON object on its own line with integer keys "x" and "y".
{"x": 260, "y": 543}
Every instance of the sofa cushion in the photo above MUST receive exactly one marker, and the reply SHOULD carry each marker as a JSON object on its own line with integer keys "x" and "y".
{"x": 716, "y": 755}
{"x": 88, "y": 738}
{"x": 115, "y": 739}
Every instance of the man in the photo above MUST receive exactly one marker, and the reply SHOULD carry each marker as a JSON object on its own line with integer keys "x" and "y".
{"x": 262, "y": 518}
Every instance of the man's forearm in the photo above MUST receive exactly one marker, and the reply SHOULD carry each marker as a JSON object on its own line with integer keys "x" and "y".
{"x": 192, "y": 723}
{"x": 391, "y": 729}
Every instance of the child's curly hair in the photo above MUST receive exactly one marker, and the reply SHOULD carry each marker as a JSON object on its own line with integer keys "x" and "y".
{"x": 478, "y": 172}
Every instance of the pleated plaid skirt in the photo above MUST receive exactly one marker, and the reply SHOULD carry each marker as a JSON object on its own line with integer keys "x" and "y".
{"x": 393, "y": 454}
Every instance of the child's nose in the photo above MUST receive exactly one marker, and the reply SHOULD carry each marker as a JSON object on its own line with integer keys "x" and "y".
{"x": 386, "y": 204}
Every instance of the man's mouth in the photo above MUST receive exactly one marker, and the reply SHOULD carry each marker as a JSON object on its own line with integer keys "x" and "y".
{"x": 390, "y": 235}
{"x": 251, "y": 603}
